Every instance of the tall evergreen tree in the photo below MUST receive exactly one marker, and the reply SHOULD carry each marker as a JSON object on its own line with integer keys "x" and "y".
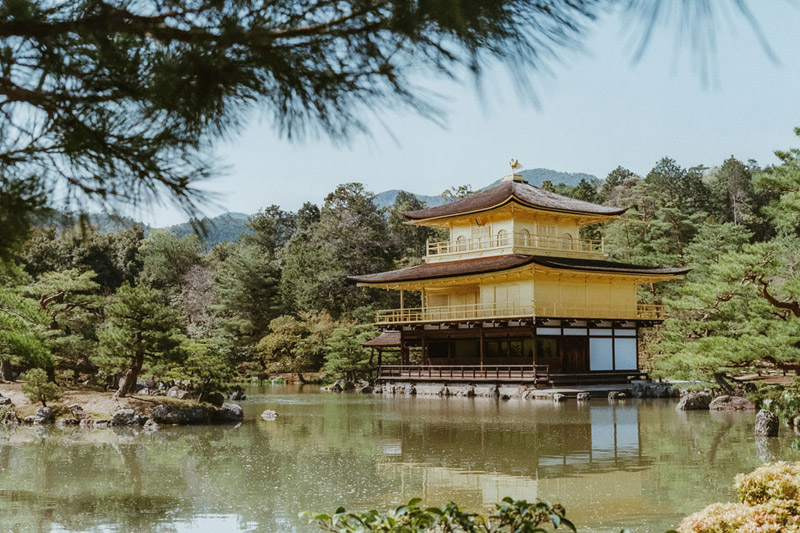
{"x": 139, "y": 331}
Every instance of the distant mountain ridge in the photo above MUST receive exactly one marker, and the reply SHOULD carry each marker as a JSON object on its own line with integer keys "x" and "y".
{"x": 228, "y": 227}
{"x": 534, "y": 176}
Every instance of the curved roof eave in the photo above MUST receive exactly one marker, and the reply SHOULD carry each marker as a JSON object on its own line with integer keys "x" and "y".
{"x": 519, "y": 191}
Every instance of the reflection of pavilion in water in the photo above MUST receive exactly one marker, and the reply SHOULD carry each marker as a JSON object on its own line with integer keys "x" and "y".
{"x": 592, "y": 464}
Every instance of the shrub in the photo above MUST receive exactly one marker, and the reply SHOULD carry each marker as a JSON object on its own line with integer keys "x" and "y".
{"x": 37, "y": 388}
{"x": 779, "y": 481}
{"x": 771, "y": 517}
{"x": 509, "y": 516}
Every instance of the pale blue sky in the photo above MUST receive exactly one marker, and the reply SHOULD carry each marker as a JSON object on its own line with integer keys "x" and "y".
{"x": 596, "y": 110}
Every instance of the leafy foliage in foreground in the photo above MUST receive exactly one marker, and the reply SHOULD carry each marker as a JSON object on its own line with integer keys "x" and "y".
{"x": 509, "y": 515}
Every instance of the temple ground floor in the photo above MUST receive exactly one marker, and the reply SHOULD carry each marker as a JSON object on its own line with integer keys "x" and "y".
{"x": 538, "y": 352}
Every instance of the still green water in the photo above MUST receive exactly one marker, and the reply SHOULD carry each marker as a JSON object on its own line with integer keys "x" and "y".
{"x": 636, "y": 463}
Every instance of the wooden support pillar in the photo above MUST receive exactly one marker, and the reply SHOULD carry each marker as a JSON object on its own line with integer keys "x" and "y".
{"x": 402, "y": 349}
{"x": 425, "y": 359}
{"x": 402, "y": 301}
{"x": 482, "y": 343}
{"x": 533, "y": 361}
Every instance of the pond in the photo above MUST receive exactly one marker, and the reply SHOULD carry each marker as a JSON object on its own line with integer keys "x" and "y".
{"x": 635, "y": 463}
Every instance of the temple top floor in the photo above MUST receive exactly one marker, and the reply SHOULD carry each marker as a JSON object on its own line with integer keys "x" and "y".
{"x": 513, "y": 217}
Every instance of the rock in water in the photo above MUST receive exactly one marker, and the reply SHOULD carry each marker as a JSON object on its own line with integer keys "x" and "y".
{"x": 694, "y": 401}
{"x": 10, "y": 418}
{"x": 766, "y": 424}
{"x": 269, "y": 415}
{"x": 584, "y": 396}
{"x": 559, "y": 397}
{"x": 5, "y": 401}
{"x": 77, "y": 411}
{"x": 172, "y": 414}
{"x": 124, "y": 417}
{"x": 150, "y": 426}
{"x": 229, "y": 412}
{"x": 238, "y": 395}
{"x": 44, "y": 415}
{"x": 731, "y": 403}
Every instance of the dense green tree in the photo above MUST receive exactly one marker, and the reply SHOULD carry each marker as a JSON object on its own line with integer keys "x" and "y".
{"x": 783, "y": 182}
{"x": 586, "y": 191}
{"x": 296, "y": 345}
{"x": 37, "y": 387}
{"x": 345, "y": 357}
{"x": 732, "y": 188}
{"x": 270, "y": 229}
{"x": 139, "y": 330}
{"x": 113, "y": 257}
{"x": 408, "y": 241}
{"x": 616, "y": 178}
{"x": 307, "y": 215}
{"x": 247, "y": 287}
{"x": 740, "y": 308}
{"x": 22, "y": 324}
{"x": 167, "y": 258}
{"x": 73, "y": 307}
{"x": 208, "y": 366}
{"x": 278, "y": 349}
{"x": 350, "y": 238}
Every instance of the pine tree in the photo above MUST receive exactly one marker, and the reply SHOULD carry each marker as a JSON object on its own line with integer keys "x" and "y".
{"x": 139, "y": 330}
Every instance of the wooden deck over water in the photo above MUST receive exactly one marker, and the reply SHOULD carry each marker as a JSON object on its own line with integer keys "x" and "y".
{"x": 538, "y": 375}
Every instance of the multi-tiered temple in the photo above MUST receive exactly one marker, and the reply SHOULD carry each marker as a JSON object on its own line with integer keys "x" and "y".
{"x": 516, "y": 295}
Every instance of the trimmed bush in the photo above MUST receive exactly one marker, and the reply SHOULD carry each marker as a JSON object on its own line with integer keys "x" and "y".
{"x": 774, "y": 516}
{"x": 779, "y": 481}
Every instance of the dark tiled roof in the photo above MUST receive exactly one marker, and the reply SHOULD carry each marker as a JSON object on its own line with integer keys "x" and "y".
{"x": 520, "y": 191}
{"x": 385, "y": 339}
{"x": 446, "y": 269}
{"x": 483, "y": 265}
{"x": 595, "y": 265}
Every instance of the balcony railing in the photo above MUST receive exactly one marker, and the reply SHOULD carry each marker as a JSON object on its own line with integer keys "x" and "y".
{"x": 485, "y": 311}
{"x": 519, "y": 241}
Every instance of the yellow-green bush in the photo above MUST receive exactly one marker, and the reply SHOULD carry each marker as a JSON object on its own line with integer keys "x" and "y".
{"x": 779, "y": 481}
{"x": 771, "y": 517}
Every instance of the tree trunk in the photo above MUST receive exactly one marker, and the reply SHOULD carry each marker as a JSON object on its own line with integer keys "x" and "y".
{"x": 5, "y": 371}
{"x": 301, "y": 377}
{"x": 719, "y": 377}
{"x": 129, "y": 385}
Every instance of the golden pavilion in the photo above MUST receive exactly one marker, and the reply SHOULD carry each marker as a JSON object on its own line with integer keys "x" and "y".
{"x": 515, "y": 295}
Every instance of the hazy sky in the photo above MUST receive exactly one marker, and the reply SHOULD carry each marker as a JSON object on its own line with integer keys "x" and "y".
{"x": 596, "y": 110}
